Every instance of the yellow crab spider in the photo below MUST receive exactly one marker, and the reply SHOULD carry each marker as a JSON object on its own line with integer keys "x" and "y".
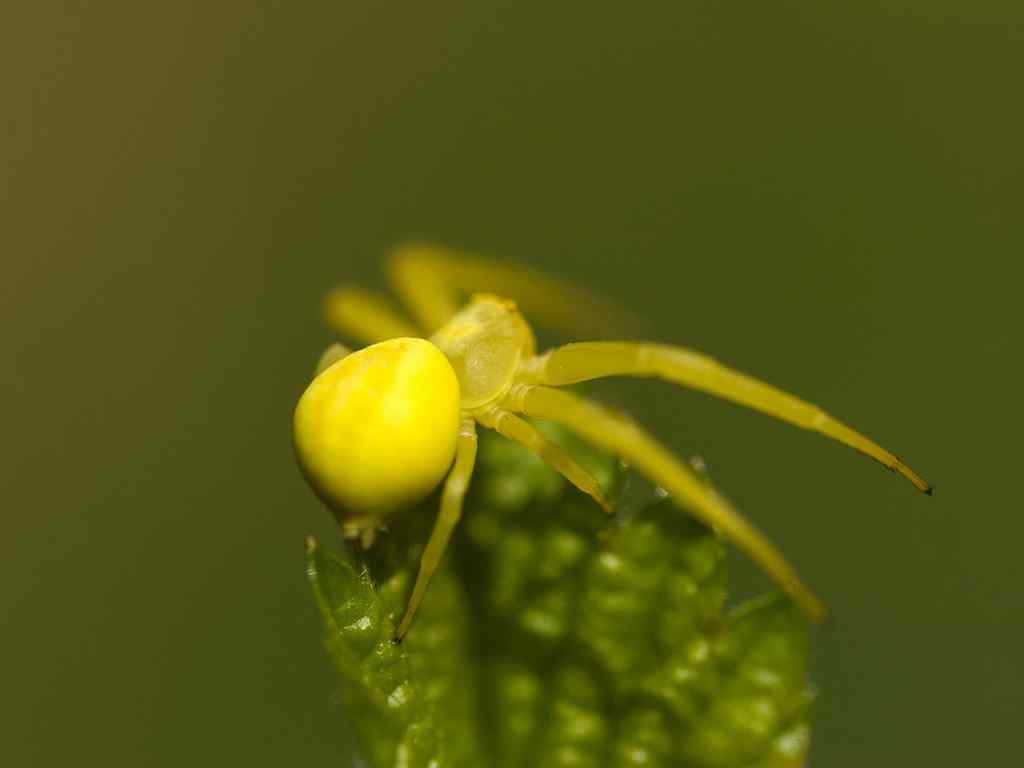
{"x": 379, "y": 428}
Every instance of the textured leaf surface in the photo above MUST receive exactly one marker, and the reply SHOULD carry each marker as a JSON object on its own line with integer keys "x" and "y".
{"x": 554, "y": 636}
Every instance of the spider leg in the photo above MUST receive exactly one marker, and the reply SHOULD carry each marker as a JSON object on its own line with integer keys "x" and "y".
{"x": 365, "y": 316}
{"x": 435, "y": 281}
{"x": 521, "y": 431}
{"x": 451, "y": 510}
{"x": 331, "y": 355}
{"x": 592, "y": 360}
{"x": 624, "y": 438}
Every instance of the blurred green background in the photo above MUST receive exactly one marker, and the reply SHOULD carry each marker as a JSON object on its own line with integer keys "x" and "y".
{"x": 826, "y": 195}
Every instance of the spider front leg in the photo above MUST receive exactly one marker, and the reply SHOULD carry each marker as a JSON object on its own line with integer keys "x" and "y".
{"x": 435, "y": 281}
{"x": 521, "y": 431}
{"x": 593, "y": 360}
{"x": 452, "y": 496}
{"x": 621, "y": 436}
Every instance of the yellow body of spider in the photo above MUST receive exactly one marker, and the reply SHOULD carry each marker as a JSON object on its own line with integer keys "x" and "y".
{"x": 379, "y": 428}
{"x": 376, "y": 430}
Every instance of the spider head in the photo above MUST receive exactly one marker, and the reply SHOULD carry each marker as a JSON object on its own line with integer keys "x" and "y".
{"x": 485, "y": 342}
{"x": 377, "y": 429}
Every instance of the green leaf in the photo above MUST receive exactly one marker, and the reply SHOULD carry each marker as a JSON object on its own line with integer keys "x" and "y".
{"x": 553, "y": 636}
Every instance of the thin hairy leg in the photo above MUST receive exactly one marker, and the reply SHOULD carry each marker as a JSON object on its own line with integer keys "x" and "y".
{"x": 593, "y": 360}
{"x": 451, "y": 510}
{"x": 435, "y": 281}
{"x": 621, "y": 436}
{"x": 524, "y": 433}
{"x": 365, "y": 316}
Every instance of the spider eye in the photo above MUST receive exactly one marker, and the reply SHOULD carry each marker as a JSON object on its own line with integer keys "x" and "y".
{"x": 377, "y": 429}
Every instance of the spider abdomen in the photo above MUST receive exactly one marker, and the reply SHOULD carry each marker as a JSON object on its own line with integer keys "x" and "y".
{"x": 377, "y": 429}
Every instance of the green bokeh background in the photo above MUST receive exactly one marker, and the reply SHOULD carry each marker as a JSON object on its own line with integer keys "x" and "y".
{"x": 827, "y": 195}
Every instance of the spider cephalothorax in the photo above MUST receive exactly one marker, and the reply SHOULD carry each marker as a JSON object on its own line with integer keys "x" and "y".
{"x": 379, "y": 428}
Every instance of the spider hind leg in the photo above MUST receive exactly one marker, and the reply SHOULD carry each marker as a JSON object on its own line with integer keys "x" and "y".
{"x": 365, "y": 316}
{"x": 452, "y": 496}
{"x": 521, "y": 431}
{"x": 330, "y": 356}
